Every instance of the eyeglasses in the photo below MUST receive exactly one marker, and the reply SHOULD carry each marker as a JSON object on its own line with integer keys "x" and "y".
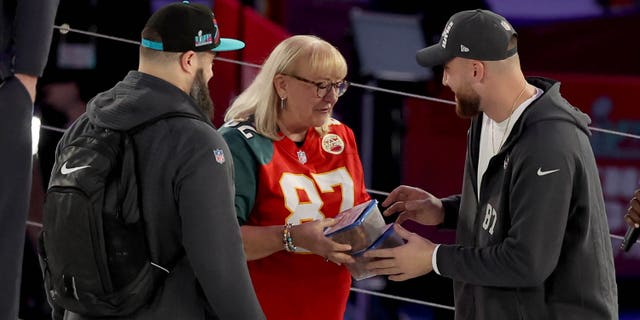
{"x": 323, "y": 87}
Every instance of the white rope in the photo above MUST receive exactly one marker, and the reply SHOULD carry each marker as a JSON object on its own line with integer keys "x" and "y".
{"x": 389, "y": 296}
{"x": 374, "y": 293}
{"x": 615, "y": 236}
{"x": 65, "y": 29}
{"x": 381, "y": 193}
{"x": 34, "y": 224}
{"x": 43, "y": 126}
{"x": 400, "y": 93}
{"x": 628, "y": 135}
{"x": 253, "y": 65}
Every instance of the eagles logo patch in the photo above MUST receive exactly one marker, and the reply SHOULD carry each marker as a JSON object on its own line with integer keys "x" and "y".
{"x": 332, "y": 143}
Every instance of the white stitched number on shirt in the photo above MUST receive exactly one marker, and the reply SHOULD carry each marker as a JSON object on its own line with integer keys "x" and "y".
{"x": 247, "y": 131}
{"x": 340, "y": 177}
{"x": 490, "y": 218}
{"x": 327, "y": 182}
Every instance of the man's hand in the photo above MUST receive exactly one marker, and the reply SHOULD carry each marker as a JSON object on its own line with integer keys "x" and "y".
{"x": 632, "y": 218}
{"x": 414, "y": 204}
{"x": 408, "y": 261}
{"x": 29, "y": 82}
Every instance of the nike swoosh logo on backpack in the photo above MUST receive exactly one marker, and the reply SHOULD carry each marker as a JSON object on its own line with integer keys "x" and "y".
{"x": 65, "y": 170}
{"x": 544, "y": 173}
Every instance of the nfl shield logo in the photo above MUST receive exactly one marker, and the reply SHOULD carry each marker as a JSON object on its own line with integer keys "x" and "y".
{"x": 302, "y": 157}
{"x": 219, "y": 155}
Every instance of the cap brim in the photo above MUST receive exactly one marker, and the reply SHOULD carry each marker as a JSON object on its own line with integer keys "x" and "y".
{"x": 227, "y": 44}
{"x": 434, "y": 55}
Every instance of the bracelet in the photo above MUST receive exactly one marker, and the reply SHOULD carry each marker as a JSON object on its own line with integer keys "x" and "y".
{"x": 287, "y": 241}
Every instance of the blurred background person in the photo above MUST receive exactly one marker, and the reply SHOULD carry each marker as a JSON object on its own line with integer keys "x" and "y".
{"x": 26, "y": 29}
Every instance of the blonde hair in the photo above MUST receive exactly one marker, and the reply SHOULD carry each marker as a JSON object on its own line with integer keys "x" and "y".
{"x": 261, "y": 100}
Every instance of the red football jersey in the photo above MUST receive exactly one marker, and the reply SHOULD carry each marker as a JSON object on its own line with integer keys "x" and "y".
{"x": 296, "y": 184}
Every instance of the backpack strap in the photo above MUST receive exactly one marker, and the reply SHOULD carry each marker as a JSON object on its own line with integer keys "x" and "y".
{"x": 130, "y": 156}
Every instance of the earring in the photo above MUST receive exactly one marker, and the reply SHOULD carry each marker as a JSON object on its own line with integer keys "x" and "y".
{"x": 283, "y": 102}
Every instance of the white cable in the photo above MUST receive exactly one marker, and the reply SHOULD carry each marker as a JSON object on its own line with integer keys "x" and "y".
{"x": 628, "y": 135}
{"x": 384, "y": 295}
{"x": 65, "y": 29}
{"x": 410, "y": 95}
{"x": 46, "y": 127}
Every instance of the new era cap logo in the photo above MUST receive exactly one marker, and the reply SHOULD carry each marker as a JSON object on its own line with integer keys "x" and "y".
{"x": 463, "y": 48}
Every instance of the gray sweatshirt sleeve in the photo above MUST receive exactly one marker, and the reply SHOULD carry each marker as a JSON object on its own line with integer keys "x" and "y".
{"x": 33, "y": 32}
{"x": 211, "y": 232}
{"x": 451, "y": 207}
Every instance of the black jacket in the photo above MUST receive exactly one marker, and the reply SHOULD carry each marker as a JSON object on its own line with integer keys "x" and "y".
{"x": 536, "y": 245}
{"x": 187, "y": 201}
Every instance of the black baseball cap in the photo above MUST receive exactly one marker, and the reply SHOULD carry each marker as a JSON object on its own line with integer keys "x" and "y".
{"x": 472, "y": 34}
{"x": 185, "y": 26}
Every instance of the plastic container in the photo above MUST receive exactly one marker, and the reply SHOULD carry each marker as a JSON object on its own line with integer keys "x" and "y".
{"x": 388, "y": 239}
{"x": 359, "y": 226}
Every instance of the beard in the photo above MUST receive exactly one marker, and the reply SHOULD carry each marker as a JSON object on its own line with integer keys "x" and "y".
{"x": 200, "y": 93}
{"x": 467, "y": 103}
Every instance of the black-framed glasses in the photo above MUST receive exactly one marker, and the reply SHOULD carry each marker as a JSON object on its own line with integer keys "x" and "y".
{"x": 323, "y": 87}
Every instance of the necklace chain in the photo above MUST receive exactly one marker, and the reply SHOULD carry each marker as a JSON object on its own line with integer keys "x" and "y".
{"x": 504, "y": 134}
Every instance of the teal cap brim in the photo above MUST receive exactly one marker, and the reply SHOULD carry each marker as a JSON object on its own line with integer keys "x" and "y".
{"x": 227, "y": 44}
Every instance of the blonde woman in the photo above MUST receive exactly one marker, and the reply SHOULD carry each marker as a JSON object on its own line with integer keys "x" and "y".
{"x": 295, "y": 169}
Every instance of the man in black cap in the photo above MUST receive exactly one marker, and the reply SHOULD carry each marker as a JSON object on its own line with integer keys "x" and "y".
{"x": 185, "y": 170}
{"x": 531, "y": 227}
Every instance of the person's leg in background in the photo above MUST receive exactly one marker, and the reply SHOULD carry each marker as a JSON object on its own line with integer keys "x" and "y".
{"x": 33, "y": 302}
{"x": 15, "y": 186}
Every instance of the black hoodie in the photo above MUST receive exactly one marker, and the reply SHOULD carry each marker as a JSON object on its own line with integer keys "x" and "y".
{"x": 187, "y": 200}
{"x": 536, "y": 245}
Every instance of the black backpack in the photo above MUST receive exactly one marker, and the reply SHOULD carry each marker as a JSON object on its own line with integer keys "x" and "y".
{"x": 93, "y": 246}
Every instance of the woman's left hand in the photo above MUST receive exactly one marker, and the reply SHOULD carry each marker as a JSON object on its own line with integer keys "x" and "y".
{"x": 310, "y": 235}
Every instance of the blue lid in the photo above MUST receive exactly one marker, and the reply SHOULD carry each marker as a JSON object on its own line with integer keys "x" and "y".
{"x": 358, "y": 221}
{"x": 388, "y": 232}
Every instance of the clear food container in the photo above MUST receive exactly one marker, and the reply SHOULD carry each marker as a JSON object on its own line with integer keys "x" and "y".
{"x": 359, "y": 226}
{"x": 388, "y": 239}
